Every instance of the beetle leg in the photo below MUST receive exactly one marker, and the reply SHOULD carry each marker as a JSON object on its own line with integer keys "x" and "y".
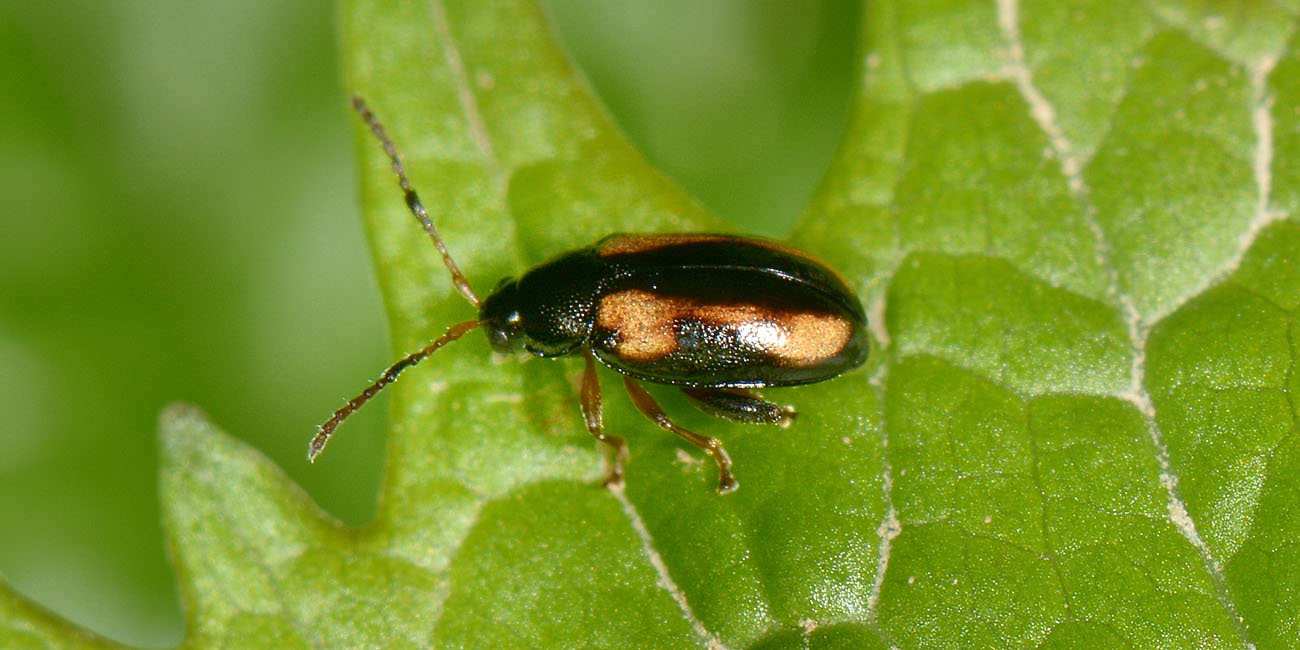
{"x": 650, "y": 408}
{"x": 740, "y": 405}
{"x": 615, "y": 446}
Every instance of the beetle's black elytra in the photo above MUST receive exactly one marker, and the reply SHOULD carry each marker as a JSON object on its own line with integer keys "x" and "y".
{"x": 716, "y": 315}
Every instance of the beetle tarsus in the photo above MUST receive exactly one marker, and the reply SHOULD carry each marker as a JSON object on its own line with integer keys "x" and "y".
{"x": 739, "y": 405}
{"x": 727, "y": 483}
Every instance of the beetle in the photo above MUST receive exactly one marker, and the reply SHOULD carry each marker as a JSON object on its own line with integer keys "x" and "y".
{"x": 715, "y": 315}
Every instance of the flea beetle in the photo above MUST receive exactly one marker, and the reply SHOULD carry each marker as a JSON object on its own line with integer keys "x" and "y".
{"x": 716, "y": 315}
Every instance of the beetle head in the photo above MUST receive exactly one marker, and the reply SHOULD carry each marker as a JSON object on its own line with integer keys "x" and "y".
{"x": 500, "y": 316}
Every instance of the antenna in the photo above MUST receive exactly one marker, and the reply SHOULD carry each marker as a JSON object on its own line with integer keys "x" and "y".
{"x": 413, "y": 199}
{"x": 324, "y": 431}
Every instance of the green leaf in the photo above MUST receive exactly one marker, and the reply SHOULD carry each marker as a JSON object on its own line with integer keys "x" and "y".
{"x": 27, "y": 626}
{"x": 1072, "y": 226}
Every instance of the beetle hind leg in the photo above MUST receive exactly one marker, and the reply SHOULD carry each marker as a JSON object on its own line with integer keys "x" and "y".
{"x": 615, "y": 446}
{"x": 740, "y": 405}
{"x": 651, "y": 409}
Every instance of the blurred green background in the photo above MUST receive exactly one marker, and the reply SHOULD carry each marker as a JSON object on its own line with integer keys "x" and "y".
{"x": 180, "y": 223}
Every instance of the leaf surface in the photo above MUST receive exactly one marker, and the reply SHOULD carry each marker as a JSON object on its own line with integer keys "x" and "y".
{"x": 1072, "y": 227}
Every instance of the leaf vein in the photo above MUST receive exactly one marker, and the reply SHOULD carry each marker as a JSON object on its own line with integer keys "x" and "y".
{"x": 1043, "y": 113}
{"x": 666, "y": 581}
{"x": 464, "y": 92}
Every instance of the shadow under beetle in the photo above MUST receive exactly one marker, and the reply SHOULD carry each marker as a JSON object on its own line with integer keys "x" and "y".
{"x": 714, "y": 314}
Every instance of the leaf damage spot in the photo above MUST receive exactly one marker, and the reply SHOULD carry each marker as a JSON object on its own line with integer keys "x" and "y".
{"x": 688, "y": 461}
{"x": 504, "y": 398}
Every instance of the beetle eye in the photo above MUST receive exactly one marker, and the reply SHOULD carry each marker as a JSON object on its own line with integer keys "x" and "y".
{"x": 498, "y": 339}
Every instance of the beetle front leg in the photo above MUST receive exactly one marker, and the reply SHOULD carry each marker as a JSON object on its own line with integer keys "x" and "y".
{"x": 615, "y": 446}
{"x": 740, "y": 405}
{"x": 651, "y": 409}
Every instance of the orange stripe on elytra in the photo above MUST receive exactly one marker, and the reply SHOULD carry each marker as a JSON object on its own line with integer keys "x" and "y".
{"x": 645, "y": 327}
{"x": 640, "y": 243}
